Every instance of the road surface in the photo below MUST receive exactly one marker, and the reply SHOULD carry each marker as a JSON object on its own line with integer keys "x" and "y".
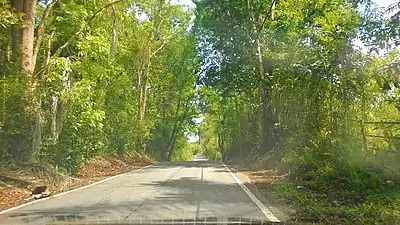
{"x": 164, "y": 191}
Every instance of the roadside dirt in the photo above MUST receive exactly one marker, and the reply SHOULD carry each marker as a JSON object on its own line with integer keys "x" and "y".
{"x": 263, "y": 171}
{"x": 16, "y": 184}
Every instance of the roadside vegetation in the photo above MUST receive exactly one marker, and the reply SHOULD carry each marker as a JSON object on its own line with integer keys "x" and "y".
{"x": 93, "y": 78}
{"x": 316, "y": 116}
{"x": 90, "y": 89}
{"x": 306, "y": 89}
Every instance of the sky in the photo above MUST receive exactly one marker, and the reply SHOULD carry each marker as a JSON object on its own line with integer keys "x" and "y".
{"x": 187, "y": 3}
{"x": 382, "y": 3}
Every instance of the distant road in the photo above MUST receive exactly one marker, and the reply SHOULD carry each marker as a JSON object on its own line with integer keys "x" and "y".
{"x": 164, "y": 191}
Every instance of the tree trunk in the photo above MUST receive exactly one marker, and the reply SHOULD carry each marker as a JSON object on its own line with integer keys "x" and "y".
{"x": 175, "y": 130}
{"x": 3, "y": 62}
{"x": 363, "y": 115}
{"x": 56, "y": 106}
{"x": 113, "y": 48}
{"x": 27, "y": 40}
{"x": 346, "y": 108}
{"x": 18, "y": 5}
{"x": 40, "y": 33}
{"x": 268, "y": 119}
{"x": 143, "y": 90}
{"x": 239, "y": 125}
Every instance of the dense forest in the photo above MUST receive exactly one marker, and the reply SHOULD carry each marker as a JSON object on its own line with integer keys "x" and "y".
{"x": 288, "y": 74}
{"x": 82, "y": 78}
{"x": 316, "y": 82}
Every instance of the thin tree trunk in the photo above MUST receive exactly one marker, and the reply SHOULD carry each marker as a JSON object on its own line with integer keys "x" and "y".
{"x": 114, "y": 33}
{"x": 58, "y": 111}
{"x": 220, "y": 141}
{"x": 40, "y": 33}
{"x": 3, "y": 61}
{"x": 363, "y": 115}
{"x": 239, "y": 124}
{"x": 346, "y": 108}
{"x": 37, "y": 132}
{"x": 54, "y": 107}
{"x": 174, "y": 130}
{"x": 143, "y": 91}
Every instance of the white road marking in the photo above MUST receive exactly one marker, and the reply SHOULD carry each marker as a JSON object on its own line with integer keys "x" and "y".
{"x": 271, "y": 217}
{"x": 70, "y": 191}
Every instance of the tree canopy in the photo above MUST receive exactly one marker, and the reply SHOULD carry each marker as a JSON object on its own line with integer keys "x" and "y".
{"x": 315, "y": 81}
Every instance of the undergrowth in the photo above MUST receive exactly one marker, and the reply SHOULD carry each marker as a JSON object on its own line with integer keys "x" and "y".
{"x": 347, "y": 195}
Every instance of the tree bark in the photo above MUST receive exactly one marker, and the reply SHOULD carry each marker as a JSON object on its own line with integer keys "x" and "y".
{"x": 265, "y": 89}
{"x": 113, "y": 48}
{"x": 18, "y": 5}
{"x": 174, "y": 131}
{"x": 40, "y": 33}
{"x": 27, "y": 39}
{"x": 56, "y": 106}
{"x": 143, "y": 91}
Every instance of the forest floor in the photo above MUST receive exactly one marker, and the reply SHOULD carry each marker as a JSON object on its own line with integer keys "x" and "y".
{"x": 312, "y": 201}
{"x": 17, "y": 182}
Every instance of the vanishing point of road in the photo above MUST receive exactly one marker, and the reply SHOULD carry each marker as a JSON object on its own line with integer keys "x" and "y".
{"x": 163, "y": 191}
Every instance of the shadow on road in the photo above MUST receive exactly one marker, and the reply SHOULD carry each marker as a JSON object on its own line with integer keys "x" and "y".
{"x": 189, "y": 164}
{"x": 185, "y": 197}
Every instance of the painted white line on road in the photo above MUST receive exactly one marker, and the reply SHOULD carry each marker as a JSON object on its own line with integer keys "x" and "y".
{"x": 271, "y": 217}
{"x": 73, "y": 190}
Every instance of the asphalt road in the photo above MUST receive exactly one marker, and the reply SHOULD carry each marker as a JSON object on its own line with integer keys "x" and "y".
{"x": 164, "y": 191}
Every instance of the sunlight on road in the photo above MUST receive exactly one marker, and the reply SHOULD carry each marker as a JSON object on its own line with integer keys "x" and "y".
{"x": 200, "y": 158}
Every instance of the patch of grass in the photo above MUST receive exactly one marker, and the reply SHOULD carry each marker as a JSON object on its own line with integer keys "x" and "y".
{"x": 345, "y": 196}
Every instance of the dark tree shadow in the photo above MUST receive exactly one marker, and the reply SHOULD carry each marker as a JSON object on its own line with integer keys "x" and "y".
{"x": 186, "y": 198}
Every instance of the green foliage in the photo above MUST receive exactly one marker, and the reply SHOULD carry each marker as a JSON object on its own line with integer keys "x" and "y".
{"x": 8, "y": 16}
{"x": 284, "y": 79}
{"x": 90, "y": 95}
{"x": 347, "y": 196}
{"x": 183, "y": 151}
{"x": 290, "y": 83}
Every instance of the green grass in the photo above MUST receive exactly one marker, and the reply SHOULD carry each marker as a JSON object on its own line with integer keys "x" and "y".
{"x": 347, "y": 196}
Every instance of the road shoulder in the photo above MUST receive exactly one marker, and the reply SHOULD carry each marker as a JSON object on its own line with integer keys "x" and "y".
{"x": 16, "y": 183}
{"x": 265, "y": 195}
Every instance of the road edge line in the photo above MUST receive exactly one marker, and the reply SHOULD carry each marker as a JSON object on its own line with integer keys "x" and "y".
{"x": 72, "y": 190}
{"x": 267, "y": 213}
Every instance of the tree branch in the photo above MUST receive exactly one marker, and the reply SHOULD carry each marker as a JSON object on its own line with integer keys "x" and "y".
{"x": 266, "y": 16}
{"x": 58, "y": 52}
{"x": 40, "y": 32}
{"x": 69, "y": 41}
{"x": 155, "y": 52}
